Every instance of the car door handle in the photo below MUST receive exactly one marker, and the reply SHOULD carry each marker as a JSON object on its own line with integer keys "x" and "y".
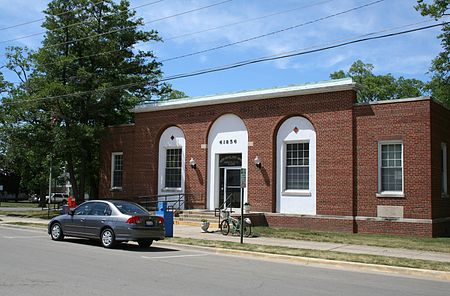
{"x": 82, "y": 220}
{"x": 103, "y": 220}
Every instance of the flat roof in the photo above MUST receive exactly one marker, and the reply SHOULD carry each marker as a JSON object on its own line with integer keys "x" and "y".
{"x": 260, "y": 94}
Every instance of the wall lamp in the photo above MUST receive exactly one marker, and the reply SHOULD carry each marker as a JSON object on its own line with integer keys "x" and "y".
{"x": 192, "y": 163}
{"x": 257, "y": 162}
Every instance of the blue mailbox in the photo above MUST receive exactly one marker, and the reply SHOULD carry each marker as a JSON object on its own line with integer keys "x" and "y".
{"x": 168, "y": 218}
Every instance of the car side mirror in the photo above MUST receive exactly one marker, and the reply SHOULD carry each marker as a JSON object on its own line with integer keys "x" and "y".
{"x": 71, "y": 212}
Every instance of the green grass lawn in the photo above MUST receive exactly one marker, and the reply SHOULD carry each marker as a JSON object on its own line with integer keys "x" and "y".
{"x": 31, "y": 214}
{"x": 441, "y": 244}
{"x": 328, "y": 255}
{"x": 21, "y": 204}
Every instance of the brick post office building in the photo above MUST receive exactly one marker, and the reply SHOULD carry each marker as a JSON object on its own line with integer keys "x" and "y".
{"x": 315, "y": 158}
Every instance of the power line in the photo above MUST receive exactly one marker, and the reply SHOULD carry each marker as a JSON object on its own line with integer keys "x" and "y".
{"x": 243, "y": 63}
{"x": 272, "y": 33}
{"x": 283, "y": 56}
{"x": 241, "y": 41}
{"x": 77, "y": 23}
{"x": 130, "y": 27}
{"x": 41, "y": 19}
{"x": 246, "y": 21}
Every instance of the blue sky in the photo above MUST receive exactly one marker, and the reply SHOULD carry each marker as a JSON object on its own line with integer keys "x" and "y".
{"x": 407, "y": 55}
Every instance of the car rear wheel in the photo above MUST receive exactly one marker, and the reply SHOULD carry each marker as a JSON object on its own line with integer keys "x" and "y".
{"x": 108, "y": 238}
{"x": 145, "y": 243}
{"x": 56, "y": 232}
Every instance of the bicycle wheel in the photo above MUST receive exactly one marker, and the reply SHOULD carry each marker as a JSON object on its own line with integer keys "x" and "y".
{"x": 225, "y": 227}
{"x": 247, "y": 230}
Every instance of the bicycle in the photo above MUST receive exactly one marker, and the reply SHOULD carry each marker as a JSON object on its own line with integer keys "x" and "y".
{"x": 235, "y": 225}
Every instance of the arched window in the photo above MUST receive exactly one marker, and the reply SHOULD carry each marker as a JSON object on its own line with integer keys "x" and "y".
{"x": 296, "y": 167}
{"x": 172, "y": 146}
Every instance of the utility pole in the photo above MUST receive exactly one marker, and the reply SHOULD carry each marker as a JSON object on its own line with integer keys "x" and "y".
{"x": 49, "y": 187}
{"x": 243, "y": 185}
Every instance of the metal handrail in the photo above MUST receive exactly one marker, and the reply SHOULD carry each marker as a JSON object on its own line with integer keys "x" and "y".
{"x": 177, "y": 203}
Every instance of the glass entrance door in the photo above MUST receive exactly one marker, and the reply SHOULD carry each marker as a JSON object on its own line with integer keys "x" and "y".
{"x": 230, "y": 189}
{"x": 230, "y": 178}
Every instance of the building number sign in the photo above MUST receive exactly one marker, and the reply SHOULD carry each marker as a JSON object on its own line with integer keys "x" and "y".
{"x": 227, "y": 142}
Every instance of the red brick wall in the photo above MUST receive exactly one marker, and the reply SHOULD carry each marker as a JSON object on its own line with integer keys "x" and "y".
{"x": 310, "y": 223}
{"x": 330, "y": 113}
{"x": 347, "y": 157}
{"x": 440, "y": 130}
{"x": 409, "y": 122}
{"x": 118, "y": 139}
{"x": 346, "y": 225}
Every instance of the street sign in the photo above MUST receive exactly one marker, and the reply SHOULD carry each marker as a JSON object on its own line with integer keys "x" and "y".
{"x": 243, "y": 178}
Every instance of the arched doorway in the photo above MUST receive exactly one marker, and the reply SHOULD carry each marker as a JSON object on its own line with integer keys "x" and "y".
{"x": 227, "y": 154}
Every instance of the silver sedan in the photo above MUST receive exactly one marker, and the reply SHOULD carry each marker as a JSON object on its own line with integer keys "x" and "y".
{"x": 110, "y": 222}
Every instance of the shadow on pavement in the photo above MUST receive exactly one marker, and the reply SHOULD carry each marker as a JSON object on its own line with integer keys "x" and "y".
{"x": 132, "y": 247}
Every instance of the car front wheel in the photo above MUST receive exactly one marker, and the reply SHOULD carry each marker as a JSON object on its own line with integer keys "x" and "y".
{"x": 108, "y": 238}
{"x": 56, "y": 232}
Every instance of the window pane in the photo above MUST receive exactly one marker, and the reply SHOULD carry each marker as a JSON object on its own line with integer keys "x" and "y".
{"x": 391, "y": 179}
{"x": 173, "y": 168}
{"x": 117, "y": 170}
{"x": 391, "y": 167}
{"x": 444, "y": 168}
{"x": 297, "y": 166}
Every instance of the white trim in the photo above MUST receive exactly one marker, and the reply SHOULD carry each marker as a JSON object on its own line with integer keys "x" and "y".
{"x": 113, "y": 155}
{"x": 293, "y": 201}
{"x": 166, "y": 142}
{"x": 393, "y": 194}
{"x": 290, "y": 192}
{"x": 300, "y": 192}
{"x": 404, "y": 100}
{"x": 444, "y": 192}
{"x": 390, "y": 193}
{"x": 226, "y": 127}
{"x": 305, "y": 89}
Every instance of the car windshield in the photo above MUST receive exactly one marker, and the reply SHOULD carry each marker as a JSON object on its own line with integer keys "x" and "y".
{"x": 129, "y": 208}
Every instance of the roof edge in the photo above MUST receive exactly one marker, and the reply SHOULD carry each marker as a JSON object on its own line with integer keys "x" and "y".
{"x": 403, "y": 100}
{"x": 261, "y": 94}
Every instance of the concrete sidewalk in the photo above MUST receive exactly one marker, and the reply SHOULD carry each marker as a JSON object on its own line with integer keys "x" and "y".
{"x": 195, "y": 232}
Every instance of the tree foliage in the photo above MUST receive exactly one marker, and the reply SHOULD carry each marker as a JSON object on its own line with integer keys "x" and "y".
{"x": 440, "y": 68}
{"x": 86, "y": 76}
{"x": 373, "y": 87}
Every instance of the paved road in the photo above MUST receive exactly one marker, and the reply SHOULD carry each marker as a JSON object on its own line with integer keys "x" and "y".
{"x": 32, "y": 264}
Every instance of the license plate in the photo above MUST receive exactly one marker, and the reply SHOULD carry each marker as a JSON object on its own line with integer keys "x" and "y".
{"x": 149, "y": 223}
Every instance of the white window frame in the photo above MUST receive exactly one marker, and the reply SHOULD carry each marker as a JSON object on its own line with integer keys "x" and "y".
{"x": 113, "y": 158}
{"x": 390, "y": 193}
{"x": 295, "y": 192}
{"x": 444, "y": 172}
{"x": 165, "y": 188}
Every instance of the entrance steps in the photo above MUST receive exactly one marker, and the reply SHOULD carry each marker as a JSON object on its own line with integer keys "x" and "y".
{"x": 194, "y": 218}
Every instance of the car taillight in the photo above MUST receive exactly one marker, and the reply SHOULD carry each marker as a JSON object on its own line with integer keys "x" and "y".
{"x": 133, "y": 220}
{"x": 161, "y": 220}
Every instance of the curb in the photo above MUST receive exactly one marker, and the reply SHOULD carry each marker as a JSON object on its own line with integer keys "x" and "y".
{"x": 355, "y": 266}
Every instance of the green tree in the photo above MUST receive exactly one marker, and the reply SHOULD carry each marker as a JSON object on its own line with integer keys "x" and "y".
{"x": 440, "y": 67}
{"x": 88, "y": 50}
{"x": 373, "y": 87}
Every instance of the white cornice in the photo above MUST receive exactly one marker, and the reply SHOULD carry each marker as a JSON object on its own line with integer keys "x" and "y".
{"x": 405, "y": 100}
{"x": 295, "y": 90}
